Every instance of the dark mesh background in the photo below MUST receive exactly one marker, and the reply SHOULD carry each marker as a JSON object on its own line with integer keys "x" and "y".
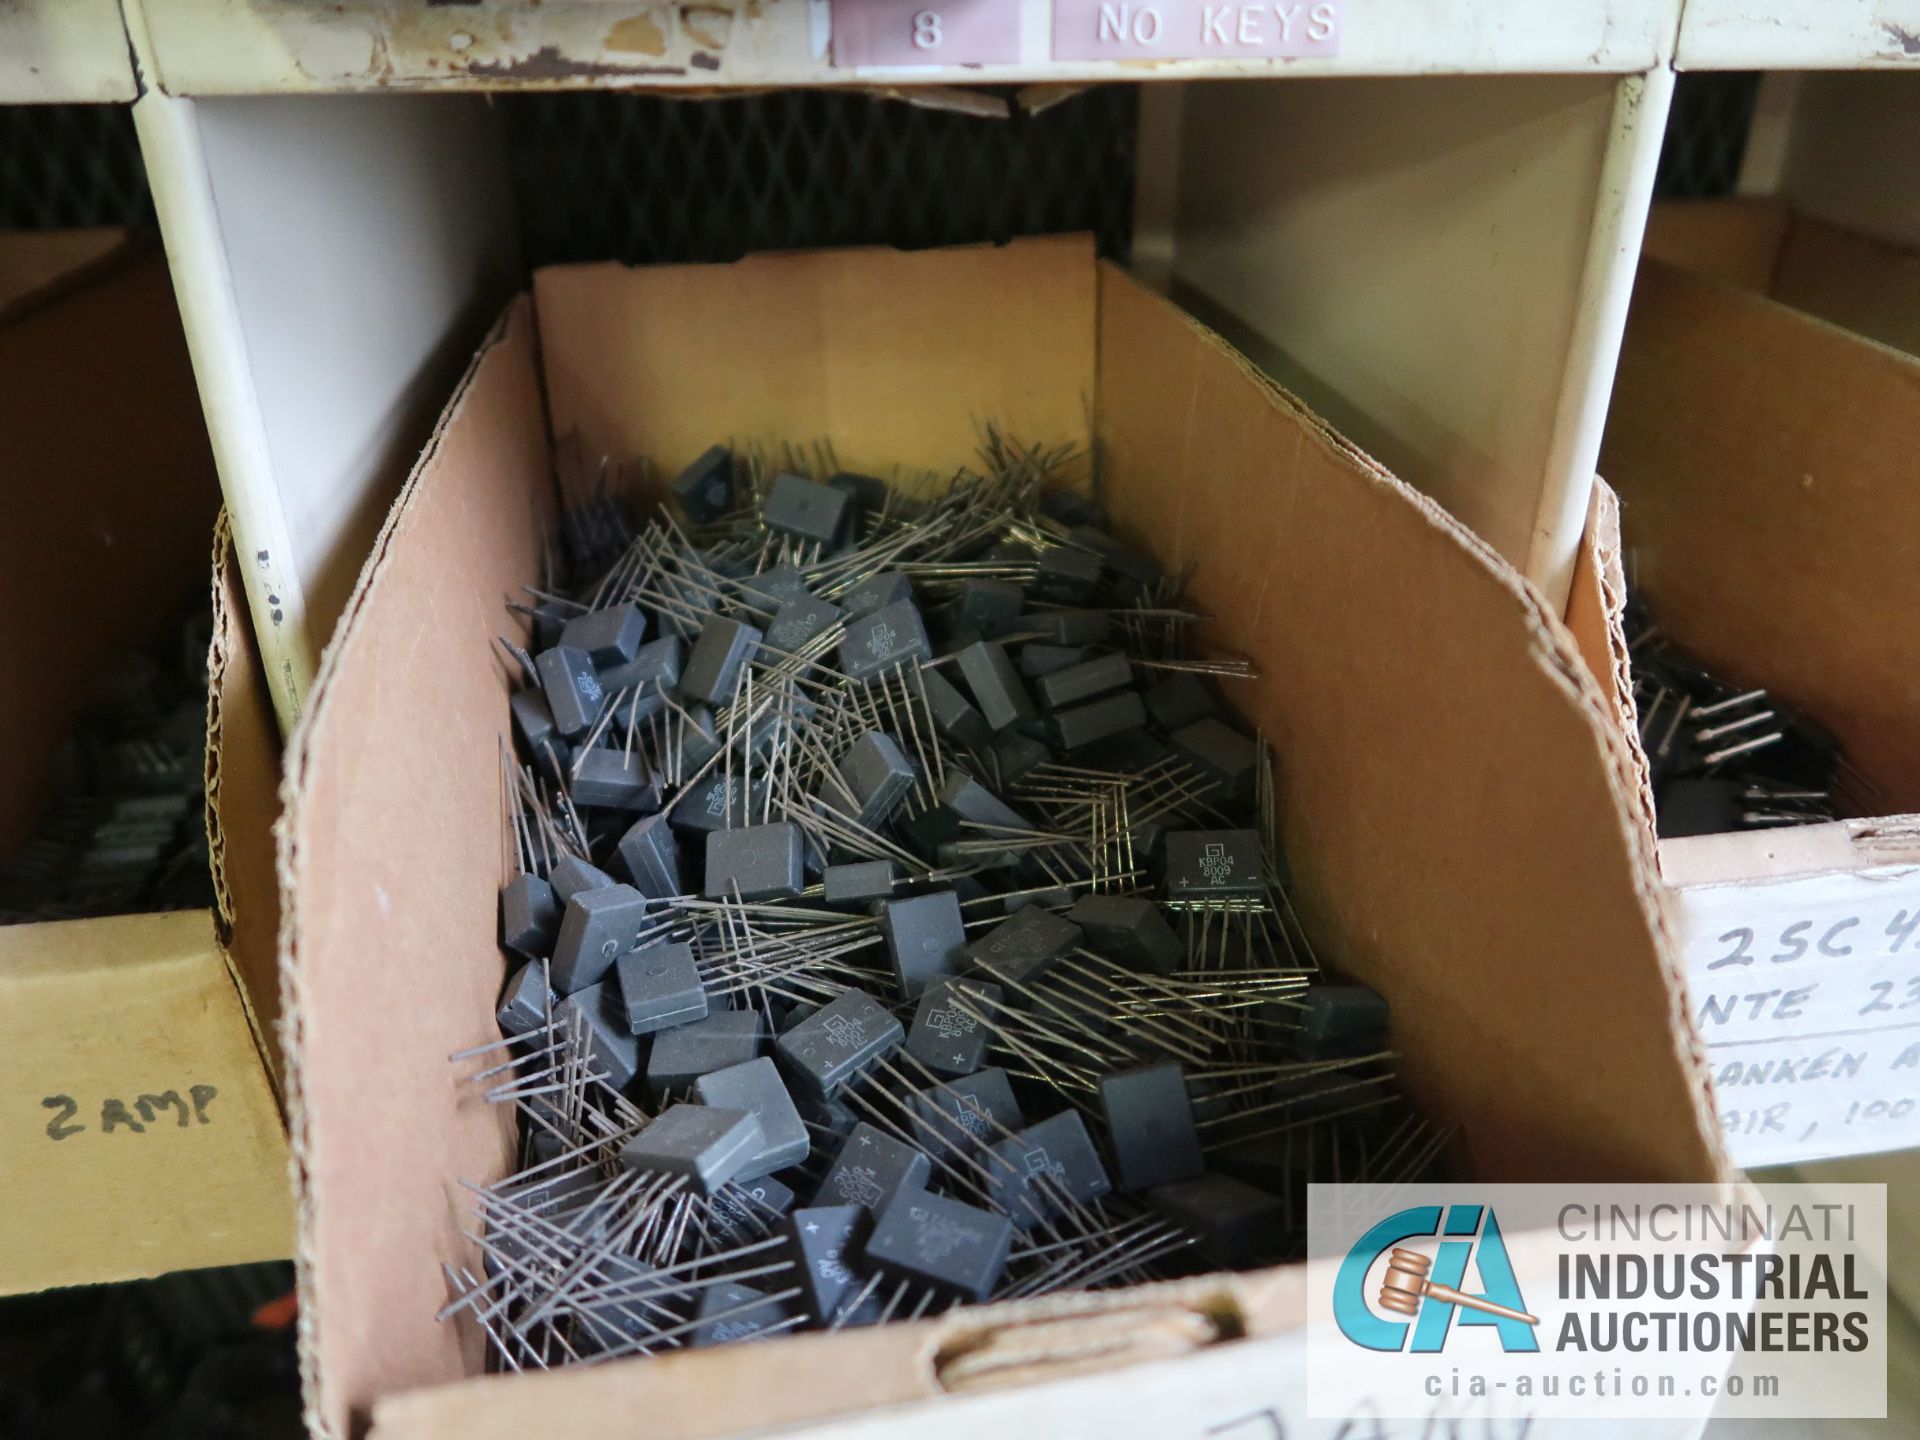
{"x": 1706, "y": 134}
{"x": 69, "y": 167}
{"x": 643, "y": 178}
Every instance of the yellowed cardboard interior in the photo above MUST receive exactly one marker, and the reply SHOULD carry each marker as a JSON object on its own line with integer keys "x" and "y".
{"x": 105, "y": 549}
{"x": 1765, "y": 464}
{"x": 1455, "y": 792}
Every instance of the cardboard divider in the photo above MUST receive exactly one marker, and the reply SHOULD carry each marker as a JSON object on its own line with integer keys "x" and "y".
{"x": 144, "y": 1133}
{"x": 1455, "y": 793}
{"x": 1764, "y": 460}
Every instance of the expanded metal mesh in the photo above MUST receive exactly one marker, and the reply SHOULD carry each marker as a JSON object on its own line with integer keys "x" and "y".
{"x": 645, "y": 179}
{"x": 71, "y": 167}
{"x": 1706, "y": 134}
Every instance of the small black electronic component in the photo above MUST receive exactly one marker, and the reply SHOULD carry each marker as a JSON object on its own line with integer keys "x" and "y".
{"x": 660, "y": 988}
{"x": 1024, "y": 946}
{"x": 1226, "y": 759}
{"x": 1178, "y": 701}
{"x": 529, "y": 915}
{"x": 990, "y": 674}
{"x": 756, "y": 1086}
{"x": 889, "y": 587}
{"x": 1037, "y": 661}
{"x": 988, "y": 608}
{"x": 770, "y": 589}
{"x": 610, "y": 636}
{"x": 879, "y": 774}
{"x": 889, "y": 636}
{"x": 954, "y": 716}
{"x": 1066, "y": 575}
{"x": 1214, "y": 865}
{"x": 730, "y": 1312}
{"x": 614, "y": 780}
{"x": 571, "y": 876}
{"x": 1342, "y": 1020}
{"x": 858, "y": 883}
{"x": 572, "y": 687}
{"x": 871, "y": 1169}
{"x": 1045, "y": 1168}
{"x": 655, "y": 666}
{"x": 652, "y": 857}
{"x": 970, "y": 1113}
{"x": 829, "y": 1244}
{"x": 597, "y": 1014}
{"x": 1067, "y": 627}
{"x": 807, "y": 512}
{"x": 718, "y": 801}
{"x": 957, "y": 1248}
{"x": 925, "y": 939}
{"x": 596, "y": 929}
{"x": 1150, "y": 1126}
{"x": 714, "y": 664}
{"x": 1235, "y": 1222}
{"x": 523, "y": 1004}
{"x": 1089, "y": 724}
{"x": 705, "y": 1146}
{"x": 947, "y": 1035}
{"x": 1088, "y": 680}
{"x": 755, "y": 862}
{"x": 686, "y": 1052}
{"x": 830, "y": 1046}
{"x": 801, "y": 621}
{"x": 1131, "y": 930}
{"x": 705, "y": 488}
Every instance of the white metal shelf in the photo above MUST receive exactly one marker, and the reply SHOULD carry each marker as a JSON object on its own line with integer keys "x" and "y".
{"x": 235, "y": 47}
{"x": 63, "y": 51}
{"x": 1799, "y": 35}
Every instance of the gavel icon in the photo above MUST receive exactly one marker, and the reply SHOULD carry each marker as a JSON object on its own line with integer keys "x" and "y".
{"x": 1406, "y": 1281}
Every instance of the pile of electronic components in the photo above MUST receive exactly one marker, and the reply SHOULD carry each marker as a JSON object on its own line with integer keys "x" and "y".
{"x": 128, "y": 832}
{"x": 898, "y": 921}
{"x": 1723, "y": 758}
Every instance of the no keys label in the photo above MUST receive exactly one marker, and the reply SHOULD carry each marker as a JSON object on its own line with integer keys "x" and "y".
{"x": 1195, "y": 30}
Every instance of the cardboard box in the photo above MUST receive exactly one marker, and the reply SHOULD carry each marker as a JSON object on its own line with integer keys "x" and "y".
{"x": 1868, "y": 286}
{"x": 106, "y": 546}
{"x": 1765, "y": 461}
{"x": 1452, "y": 787}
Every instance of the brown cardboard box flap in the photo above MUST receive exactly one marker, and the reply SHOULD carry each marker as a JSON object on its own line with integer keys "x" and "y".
{"x": 1454, "y": 791}
{"x": 1764, "y": 459}
{"x": 144, "y": 1137}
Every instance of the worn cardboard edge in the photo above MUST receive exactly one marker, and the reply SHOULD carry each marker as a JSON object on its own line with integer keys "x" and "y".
{"x": 1754, "y": 857}
{"x": 1553, "y": 648}
{"x": 227, "y": 660}
{"x": 1596, "y": 614}
{"x": 1010, "y": 1344}
{"x": 316, "y": 1411}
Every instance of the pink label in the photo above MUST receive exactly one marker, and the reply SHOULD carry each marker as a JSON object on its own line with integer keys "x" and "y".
{"x": 937, "y": 32}
{"x": 1195, "y": 29}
